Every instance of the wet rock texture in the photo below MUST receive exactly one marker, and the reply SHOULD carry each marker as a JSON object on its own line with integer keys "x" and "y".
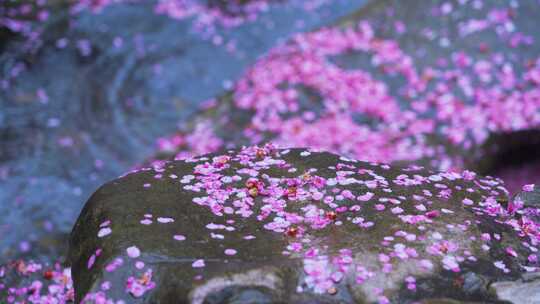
{"x": 518, "y": 292}
{"x": 264, "y": 225}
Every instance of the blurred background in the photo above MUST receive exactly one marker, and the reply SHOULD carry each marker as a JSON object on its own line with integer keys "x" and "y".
{"x": 91, "y": 89}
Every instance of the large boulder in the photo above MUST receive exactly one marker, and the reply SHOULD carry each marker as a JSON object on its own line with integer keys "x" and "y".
{"x": 267, "y": 225}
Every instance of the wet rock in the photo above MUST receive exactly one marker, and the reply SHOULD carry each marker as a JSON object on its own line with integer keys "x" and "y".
{"x": 521, "y": 292}
{"x": 531, "y": 199}
{"x": 264, "y": 225}
{"x": 239, "y": 294}
{"x": 445, "y": 301}
{"x": 473, "y": 283}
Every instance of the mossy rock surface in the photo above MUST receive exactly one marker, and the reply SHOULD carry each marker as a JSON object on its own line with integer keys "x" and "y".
{"x": 263, "y": 225}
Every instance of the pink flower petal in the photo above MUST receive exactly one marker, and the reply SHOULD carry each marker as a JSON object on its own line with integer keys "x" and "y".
{"x": 528, "y": 188}
{"x": 133, "y": 252}
{"x": 198, "y": 264}
{"x": 165, "y": 220}
{"x": 104, "y": 232}
{"x": 179, "y": 237}
{"x": 230, "y": 251}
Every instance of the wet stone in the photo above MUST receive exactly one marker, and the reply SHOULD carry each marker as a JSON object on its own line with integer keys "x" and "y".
{"x": 518, "y": 292}
{"x": 473, "y": 283}
{"x": 237, "y": 295}
{"x": 531, "y": 199}
{"x": 268, "y": 225}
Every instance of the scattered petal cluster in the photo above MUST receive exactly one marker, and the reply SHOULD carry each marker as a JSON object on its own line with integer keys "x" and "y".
{"x": 299, "y": 203}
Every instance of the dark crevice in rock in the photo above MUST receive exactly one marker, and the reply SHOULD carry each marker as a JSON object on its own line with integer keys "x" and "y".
{"x": 5, "y": 37}
{"x": 515, "y": 149}
{"x": 509, "y": 156}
